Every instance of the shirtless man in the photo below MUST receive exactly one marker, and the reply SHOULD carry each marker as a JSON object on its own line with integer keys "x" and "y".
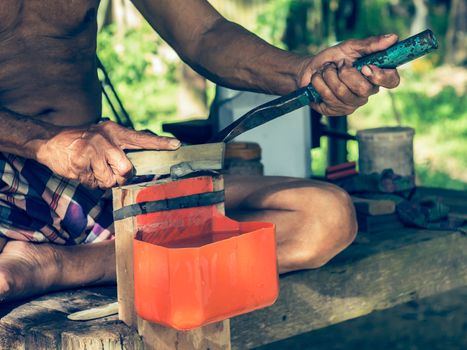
{"x": 56, "y": 159}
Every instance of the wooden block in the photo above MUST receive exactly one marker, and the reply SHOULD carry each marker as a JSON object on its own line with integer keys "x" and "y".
{"x": 378, "y": 223}
{"x": 215, "y": 336}
{"x": 199, "y": 157}
{"x": 243, "y": 151}
{"x": 106, "y": 335}
{"x": 374, "y": 206}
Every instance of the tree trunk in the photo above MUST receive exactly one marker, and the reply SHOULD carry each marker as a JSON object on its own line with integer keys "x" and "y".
{"x": 296, "y": 30}
{"x": 346, "y": 19}
{"x": 191, "y": 94}
{"x": 456, "y": 38}
{"x": 420, "y": 20}
{"x": 122, "y": 13}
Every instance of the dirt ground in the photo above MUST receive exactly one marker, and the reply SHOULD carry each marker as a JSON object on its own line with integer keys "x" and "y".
{"x": 435, "y": 323}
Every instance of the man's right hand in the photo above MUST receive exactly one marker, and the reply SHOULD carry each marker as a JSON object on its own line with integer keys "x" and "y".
{"x": 94, "y": 155}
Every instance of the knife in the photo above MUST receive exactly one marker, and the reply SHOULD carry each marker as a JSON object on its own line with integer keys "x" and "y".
{"x": 394, "y": 56}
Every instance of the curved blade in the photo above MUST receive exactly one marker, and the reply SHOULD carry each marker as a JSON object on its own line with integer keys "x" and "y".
{"x": 263, "y": 114}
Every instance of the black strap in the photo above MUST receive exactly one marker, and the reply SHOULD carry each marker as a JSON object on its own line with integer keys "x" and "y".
{"x": 192, "y": 201}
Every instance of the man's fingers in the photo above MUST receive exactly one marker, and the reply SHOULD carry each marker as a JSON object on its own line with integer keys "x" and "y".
{"x": 356, "y": 82}
{"x": 388, "y": 78}
{"x": 369, "y": 45}
{"x": 88, "y": 180}
{"x": 103, "y": 173}
{"x": 340, "y": 90}
{"x": 120, "y": 165}
{"x": 330, "y": 105}
{"x": 327, "y": 96}
{"x": 131, "y": 139}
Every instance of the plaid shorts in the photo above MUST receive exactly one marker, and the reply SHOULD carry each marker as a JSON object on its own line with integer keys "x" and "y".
{"x": 39, "y": 206}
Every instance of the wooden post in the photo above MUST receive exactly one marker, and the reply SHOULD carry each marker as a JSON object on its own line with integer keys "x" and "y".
{"x": 214, "y": 336}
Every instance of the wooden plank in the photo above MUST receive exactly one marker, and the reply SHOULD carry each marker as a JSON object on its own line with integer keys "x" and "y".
{"x": 41, "y": 324}
{"x": 16, "y": 324}
{"x": 75, "y": 300}
{"x": 53, "y": 335}
{"x": 391, "y": 268}
{"x": 101, "y": 336}
{"x": 125, "y": 231}
{"x": 216, "y": 336}
{"x": 199, "y": 157}
{"x": 11, "y": 338}
{"x": 38, "y": 324}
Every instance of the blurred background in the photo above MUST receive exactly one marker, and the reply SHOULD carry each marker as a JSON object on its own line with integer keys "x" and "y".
{"x": 157, "y": 87}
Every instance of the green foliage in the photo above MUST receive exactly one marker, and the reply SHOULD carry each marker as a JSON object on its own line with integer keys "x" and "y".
{"x": 270, "y": 23}
{"x": 422, "y": 110}
{"x": 380, "y": 17}
{"x": 428, "y": 176}
{"x": 143, "y": 69}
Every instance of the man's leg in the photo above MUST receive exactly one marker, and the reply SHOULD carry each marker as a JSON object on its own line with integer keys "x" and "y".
{"x": 314, "y": 220}
{"x": 28, "y": 269}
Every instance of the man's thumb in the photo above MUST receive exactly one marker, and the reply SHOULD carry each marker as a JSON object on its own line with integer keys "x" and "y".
{"x": 374, "y": 43}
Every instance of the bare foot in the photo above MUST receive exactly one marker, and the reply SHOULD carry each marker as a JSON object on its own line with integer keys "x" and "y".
{"x": 28, "y": 269}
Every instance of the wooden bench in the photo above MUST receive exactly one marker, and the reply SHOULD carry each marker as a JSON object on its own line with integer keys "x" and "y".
{"x": 378, "y": 271}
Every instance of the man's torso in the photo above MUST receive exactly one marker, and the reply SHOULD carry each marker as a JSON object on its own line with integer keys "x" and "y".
{"x": 47, "y": 60}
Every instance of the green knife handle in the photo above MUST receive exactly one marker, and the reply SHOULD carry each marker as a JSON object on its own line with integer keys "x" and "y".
{"x": 394, "y": 56}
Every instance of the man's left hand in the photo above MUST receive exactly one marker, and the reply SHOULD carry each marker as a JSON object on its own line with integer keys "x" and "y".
{"x": 343, "y": 88}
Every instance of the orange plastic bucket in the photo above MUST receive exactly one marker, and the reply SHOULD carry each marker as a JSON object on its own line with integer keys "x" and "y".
{"x": 194, "y": 266}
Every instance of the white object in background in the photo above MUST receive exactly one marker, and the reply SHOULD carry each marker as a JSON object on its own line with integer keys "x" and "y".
{"x": 285, "y": 141}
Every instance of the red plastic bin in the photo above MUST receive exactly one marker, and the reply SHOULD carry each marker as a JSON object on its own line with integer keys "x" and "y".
{"x": 195, "y": 266}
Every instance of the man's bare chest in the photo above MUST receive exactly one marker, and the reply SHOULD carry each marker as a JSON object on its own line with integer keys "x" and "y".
{"x": 47, "y": 17}
{"x": 47, "y": 59}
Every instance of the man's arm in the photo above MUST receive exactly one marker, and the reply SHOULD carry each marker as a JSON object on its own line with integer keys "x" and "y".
{"x": 92, "y": 154}
{"x": 230, "y": 55}
{"x": 223, "y": 51}
{"x": 22, "y": 135}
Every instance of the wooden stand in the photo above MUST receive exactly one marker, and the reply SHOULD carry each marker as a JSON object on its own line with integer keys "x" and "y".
{"x": 214, "y": 336}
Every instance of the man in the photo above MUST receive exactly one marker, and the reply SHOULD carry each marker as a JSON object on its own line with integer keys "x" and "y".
{"x": 57, "y": 158}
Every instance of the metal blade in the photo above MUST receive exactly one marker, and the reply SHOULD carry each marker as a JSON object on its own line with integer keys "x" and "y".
{"x": 263, "y": 114}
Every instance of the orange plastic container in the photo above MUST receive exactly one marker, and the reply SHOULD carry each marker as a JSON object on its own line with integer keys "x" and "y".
{"x": 195, "y": 266}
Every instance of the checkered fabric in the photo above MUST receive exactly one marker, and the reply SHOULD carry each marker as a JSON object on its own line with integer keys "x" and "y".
{"x": 39, "y": 206}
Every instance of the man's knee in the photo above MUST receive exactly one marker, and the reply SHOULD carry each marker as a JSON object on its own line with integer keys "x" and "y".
{"x": 5, "y": 285}
{"x": 329, "y": 221}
